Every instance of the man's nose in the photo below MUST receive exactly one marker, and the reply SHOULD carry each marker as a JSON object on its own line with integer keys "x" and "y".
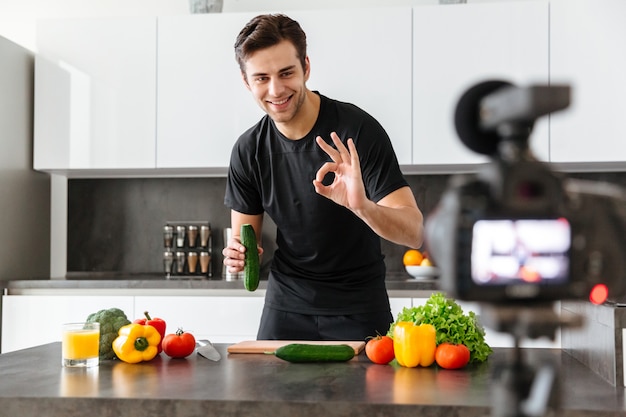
{"x": 276, "y": 87}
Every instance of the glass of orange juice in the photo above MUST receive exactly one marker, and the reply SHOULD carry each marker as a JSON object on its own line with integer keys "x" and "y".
{"x": 80, "y": 344}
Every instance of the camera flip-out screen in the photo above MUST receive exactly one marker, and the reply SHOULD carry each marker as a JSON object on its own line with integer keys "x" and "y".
{"x": 518, "y": 251}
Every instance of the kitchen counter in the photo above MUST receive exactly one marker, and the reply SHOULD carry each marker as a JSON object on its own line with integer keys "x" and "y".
{"x": 401, "y": 285}
{"x": 34, "y": 383}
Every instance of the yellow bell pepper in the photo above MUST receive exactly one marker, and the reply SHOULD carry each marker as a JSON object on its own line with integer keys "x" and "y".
{"x": 136, "y": 343}
{"x": 414, "y": 345}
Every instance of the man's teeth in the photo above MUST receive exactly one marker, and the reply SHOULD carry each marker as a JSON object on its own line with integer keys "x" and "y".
{"x": 278, "y": 103}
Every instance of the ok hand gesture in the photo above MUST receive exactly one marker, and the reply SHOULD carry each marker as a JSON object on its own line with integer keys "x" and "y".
{"x": 347, "y": 188}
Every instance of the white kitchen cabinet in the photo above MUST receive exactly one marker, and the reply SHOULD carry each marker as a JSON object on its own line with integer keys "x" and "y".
{"x": 95, "y": 94}
{"x": 456, "y": 47}
{"x": 32, "y": 320}
{"x": 587, "y": 52}
{"x": 203, "y": 105}
{"x": 397, "y": 304}
{"x": 363, "y": 56}
{"x": 218, "y": 319}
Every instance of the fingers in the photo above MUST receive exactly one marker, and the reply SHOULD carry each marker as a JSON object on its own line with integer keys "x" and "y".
{"x": 325, "y": 169}
{"x": 234, "y": 255}
{"x": 343, "y": 151}
{"x": 334, "y": 155}
{"x": 354, "y": 155}
{"x": 339, "y": 153}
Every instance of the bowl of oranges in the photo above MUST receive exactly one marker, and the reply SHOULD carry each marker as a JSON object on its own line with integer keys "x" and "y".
{"x": 419, "y": 265}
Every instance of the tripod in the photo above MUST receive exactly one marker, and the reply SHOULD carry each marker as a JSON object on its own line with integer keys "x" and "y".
{"x": 523, "y": 388}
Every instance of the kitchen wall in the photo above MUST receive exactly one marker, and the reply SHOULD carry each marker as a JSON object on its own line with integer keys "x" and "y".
{"x": 116, "y": 225}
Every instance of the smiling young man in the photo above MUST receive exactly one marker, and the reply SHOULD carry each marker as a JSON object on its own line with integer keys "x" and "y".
{"x": 326, "y": 173}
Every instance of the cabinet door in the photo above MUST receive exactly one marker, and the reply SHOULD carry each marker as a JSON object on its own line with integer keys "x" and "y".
{"x": 204, "y": 106}
{"x": 32, "y": 320}
{"x": 363, "y": 56}
{"x": 218, "y": 319}
{"x": 397, "y": 304}
{"x": 587, "y": 52}
{"x": 456, "y": 47}
{"x": 101, "y": 114}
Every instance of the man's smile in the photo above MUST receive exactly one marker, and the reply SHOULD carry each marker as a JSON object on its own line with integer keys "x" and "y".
{"x": 279, "y": 103}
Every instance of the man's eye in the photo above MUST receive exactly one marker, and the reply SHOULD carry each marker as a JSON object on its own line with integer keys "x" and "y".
{"x": 260, "y": 79}
{"x": 287, "y": 74}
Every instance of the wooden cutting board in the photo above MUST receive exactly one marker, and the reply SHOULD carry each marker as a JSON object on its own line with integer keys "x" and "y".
{"x": 264, "y": 346}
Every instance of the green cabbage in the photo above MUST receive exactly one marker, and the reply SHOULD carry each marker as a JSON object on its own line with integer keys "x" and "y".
{"x": 453, "y": 326}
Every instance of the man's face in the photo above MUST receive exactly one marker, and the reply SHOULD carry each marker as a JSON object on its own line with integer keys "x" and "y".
{"x": 277, "y": 80}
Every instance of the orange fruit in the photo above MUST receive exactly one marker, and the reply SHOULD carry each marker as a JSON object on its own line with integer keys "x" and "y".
{"x": 412, "y": 257}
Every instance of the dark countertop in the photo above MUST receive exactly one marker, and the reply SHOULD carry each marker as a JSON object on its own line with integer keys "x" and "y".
{"x": 34, "y": 383}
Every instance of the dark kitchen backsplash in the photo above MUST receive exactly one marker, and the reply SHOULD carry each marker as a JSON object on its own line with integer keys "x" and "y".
{"x": 115, "y": 225}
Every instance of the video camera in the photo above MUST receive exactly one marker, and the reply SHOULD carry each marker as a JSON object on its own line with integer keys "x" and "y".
{"x": 518, "y": 232}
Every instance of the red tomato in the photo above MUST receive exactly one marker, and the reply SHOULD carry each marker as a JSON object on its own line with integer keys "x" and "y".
{"x": 179, "y": 344}
{"x": 380, "y": 350}
{"x": 451, "y": 356}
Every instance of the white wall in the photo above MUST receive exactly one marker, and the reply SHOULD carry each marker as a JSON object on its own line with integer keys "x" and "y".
{"x": 18, "y": 18}
{"x": 24, "y": 194}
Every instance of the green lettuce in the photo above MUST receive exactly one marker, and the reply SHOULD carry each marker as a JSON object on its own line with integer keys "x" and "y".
{"x": 452, "y": 324}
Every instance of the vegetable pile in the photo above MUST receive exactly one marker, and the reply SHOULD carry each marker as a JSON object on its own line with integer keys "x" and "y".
{"x": 452, "y": 324}
{"x": 140, "y": 341}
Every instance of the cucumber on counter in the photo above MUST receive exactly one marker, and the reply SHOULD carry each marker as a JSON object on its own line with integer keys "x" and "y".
{"x": 301, "y": 352}
{"x": 252, "y": 269}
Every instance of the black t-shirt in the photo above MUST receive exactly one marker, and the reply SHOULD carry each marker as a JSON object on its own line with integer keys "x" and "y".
{"x": 327, "y": 261}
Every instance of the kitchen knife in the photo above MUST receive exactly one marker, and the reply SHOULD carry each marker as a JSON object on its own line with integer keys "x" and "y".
{"x": 207, "y": 350}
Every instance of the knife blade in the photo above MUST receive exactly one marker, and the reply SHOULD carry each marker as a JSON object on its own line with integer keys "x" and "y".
{"x": 207, "y": 350}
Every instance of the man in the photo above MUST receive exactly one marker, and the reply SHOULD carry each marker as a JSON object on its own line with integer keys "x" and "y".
{"x": 326, "y": 173}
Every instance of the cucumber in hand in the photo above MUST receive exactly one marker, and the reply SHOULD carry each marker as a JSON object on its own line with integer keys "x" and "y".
{"x": 252, "y": 269}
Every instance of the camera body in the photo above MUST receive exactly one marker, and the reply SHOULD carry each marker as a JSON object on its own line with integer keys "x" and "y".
{"x": 518, "y": 232}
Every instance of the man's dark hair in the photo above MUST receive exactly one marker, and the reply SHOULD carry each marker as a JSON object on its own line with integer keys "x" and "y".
{"x": 268, "y": 30}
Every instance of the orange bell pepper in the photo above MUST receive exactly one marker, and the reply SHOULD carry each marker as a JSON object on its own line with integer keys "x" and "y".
{"x": 414, "y": 344}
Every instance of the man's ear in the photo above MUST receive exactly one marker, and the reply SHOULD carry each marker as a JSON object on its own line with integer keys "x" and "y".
{"x": 307, "y": 68}
{"x": 245, "y": 80}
